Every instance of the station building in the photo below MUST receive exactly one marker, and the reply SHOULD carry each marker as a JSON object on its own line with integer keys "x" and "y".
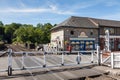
{"x": 85, "y": 33}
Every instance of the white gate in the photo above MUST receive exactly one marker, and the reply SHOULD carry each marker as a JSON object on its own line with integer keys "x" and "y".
{"x": 42, "y": 59}
{"x": 106, "y": 58}
{"x": 115, "y": 59}
{"x": 106, "y": 53}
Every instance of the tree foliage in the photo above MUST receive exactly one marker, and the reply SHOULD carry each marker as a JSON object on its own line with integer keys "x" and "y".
{"x": 1, "y": 30}
{"x": 25, "y": 33}
{"x": 9, "y": 31}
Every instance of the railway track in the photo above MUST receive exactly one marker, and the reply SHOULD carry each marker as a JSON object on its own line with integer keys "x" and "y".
{"x": 18, "y": 48}
{"x": 3, "y": 54}
{"x": 15, "y": 48}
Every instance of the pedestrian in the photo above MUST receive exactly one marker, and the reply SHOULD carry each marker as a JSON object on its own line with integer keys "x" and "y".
{"x": 69, "y": 48}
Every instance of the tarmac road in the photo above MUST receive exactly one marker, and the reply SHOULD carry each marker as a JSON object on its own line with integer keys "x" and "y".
{"x": 61, "y": 72}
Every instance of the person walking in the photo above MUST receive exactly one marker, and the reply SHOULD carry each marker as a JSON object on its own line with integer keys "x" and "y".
{"x": 69, "y": 48}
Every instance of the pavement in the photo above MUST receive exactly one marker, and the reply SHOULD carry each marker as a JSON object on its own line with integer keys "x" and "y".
{"x": 57, "y": 73}
{"x": 113, "y": 73}
{"x": 66, "y": 73}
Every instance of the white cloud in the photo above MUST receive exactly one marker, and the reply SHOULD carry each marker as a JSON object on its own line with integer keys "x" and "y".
{"x": 53, "y": 7}
{"x": 50, "y": 9}
{"x": 29, "y": 10}
{"x": 24, "y": 10}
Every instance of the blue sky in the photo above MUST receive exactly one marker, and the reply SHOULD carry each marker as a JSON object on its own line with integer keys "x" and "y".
{"x": 56, "y": 11}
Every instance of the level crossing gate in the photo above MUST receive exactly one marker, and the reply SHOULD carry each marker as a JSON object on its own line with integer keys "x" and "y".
{"x": 106, "y": 53}
{"x": 105, "y": 58}
{"x": 24, "y": 60}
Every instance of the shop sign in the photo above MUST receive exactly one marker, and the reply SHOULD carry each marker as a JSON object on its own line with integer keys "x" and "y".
{"x": 83, "y": 34}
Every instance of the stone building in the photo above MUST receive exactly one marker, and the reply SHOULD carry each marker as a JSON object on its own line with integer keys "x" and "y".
{"x": 84, "y": 33}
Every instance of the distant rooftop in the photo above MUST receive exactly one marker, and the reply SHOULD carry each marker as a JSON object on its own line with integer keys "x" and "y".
{"x": 87, "y": 22}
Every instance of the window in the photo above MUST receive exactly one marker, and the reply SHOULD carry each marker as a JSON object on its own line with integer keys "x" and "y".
{"x": 91, "y": 32}
{"x": 111, "y": 30}
{"x": 72, "y": 32}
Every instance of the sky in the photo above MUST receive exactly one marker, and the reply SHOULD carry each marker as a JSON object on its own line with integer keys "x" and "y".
{"x": 56, "y": 11}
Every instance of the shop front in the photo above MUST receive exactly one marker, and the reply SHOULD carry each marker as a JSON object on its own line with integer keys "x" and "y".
{"x": 82, "y": 44}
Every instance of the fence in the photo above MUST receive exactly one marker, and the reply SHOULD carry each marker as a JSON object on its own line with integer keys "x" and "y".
{"x": 115, "y": 59}
{"x": 42, "y": 59}
{"x": 105, "y": 58}
{"x": 50, "y": 49}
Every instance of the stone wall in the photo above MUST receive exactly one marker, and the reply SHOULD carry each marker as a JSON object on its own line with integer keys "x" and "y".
{"x": 80, "y": 32}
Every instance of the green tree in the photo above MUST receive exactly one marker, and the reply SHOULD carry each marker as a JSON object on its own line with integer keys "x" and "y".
{"x": 1, "y": 24}
{"x": 28, "y": 33}
{"x": 1, "y": 30}
{"x": 46, "y": 33}
{"x": 39, "y": 25}
{"x": 54, "y": 25}
{"x": 25, "y": 33}
{"x": 38, "y": 35}
{"x": 9, "y": 30}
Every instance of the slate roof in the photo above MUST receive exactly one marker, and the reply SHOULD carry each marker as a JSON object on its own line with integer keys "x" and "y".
{"x": 109, "y": 23}
{"x": 86, "y": 22}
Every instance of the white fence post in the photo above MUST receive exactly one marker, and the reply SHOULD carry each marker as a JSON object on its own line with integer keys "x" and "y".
{"x": 78, "y": 58}
{"x": 92, "y": 57}
{"x": 10, "y": 62}
{"x": 63, "y": 58}
{"x": 101, "y": 57}
{"x": 23, "y": 60}
{"x": 98, "y": 55}
{"x": 44, "y": 65}
{"x": 112, "y": 62}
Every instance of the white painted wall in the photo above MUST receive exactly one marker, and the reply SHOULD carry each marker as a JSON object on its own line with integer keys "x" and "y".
{"x": 56, "y": 34}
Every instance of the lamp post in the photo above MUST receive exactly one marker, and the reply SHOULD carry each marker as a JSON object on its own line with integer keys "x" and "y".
{"x": 107, "y": 42}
